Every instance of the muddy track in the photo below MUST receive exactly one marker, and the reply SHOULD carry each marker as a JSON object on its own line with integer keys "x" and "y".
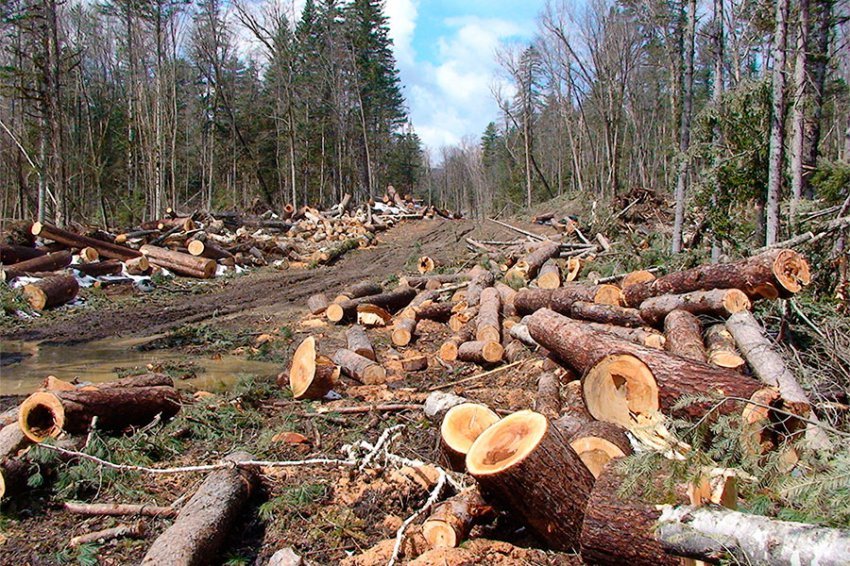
{"x": 263, "y": 290}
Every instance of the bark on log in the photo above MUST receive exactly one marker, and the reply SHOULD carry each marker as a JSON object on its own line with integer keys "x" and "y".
{"x": 481, "y": 353}
{"x": 435, "y": 281}
{"x": 515, "y": 350}
{"x": 598, "y": 442}
{"x": 51, "y": 292}
{"x": 100, "y": 268}
{"x": 622, "y": 380}
{"x": 311, "y": 376}
{"x": 648, "y": 337}
{"x": 720, "y": 346}
{"x": 403, "y": 331}
{"x": 461, "y": 425}
{"x": 72, "y": 240}
{"x": 717, "y": 302}
{"x": 358, "y": 290}
{"x": 46, "y": 414}
{"x": 527, "y": 463}
{"x": 607, "y": 314}
{"x": 137, "y": 265}
{"x": 392, "y": 301}
{"x": 480, "y": 279}
{"x": 357, "y": 367}
{"x": 449, "y": 348}
{"x": 549, "y": 276}
{"x": 434, "y": 311}
{"x": 49, "y": 262}
{"x": 119, "y": 509}
{"x": 358, "y": 342}
{"x": 488, "y": 328}
{"x": 180, "y": 263}
{"x": 562, "y": 299}
{"x": 636, "y": 277}
{"x": 526, "y": 268}
{"x": 775, "y": 273}
{"x": 208, "y": 250}
{"x": 372, "y": 315}
{"x": 89, "y": 255}
{"x": 11, "y": 253}
{"x": 205, "y": 521}
{"x": 318, "y": 303}
{"x": 548, "y": 399}
{"x": 451, "y": 521}
{"x": 507, "y": 296}
{"x": 684, "y": 335}
{"x": 14, "y": 473}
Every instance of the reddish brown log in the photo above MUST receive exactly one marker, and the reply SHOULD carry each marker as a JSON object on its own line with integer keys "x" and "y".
{"x": 562, "y": 299}
{"x": 549, "y": 276}
{"x": 51, "y": 292}
{"x": 548, "y": 399}
{"x": 448, "y": 351}
{"x": 527, "y": 463}
{"x": 434, "y": 311}
{"x": 488, "y": 326}
{"x": 775, "y": 273}
{"x": 717, "y": 302}
{"x": 208, "y": 250}
{"x": 526, "y": 268}
{"x": 480, "y": 279}
{"x": 515, "y": 350}
{"x": 357, "y": 367}
{"x": 643, "y": 336}
{"x": 598, "y": 442}
{"x": 607, "y": 314}
{"x": 108, "y": 267}
{"x": 684, "y": 335}
{"x": 434, "y": 281}
{"x": 10, "y": 253}
{"x": 391, "y": 300}
{"x": 358, "y": 342}
{"x": 72, "y": 240}
{"x": 507, "y": 295}
{"x": 721, "y": 349}
{"x": 43, "y": 263}
{"x": 180, "y": 263}
{"x": 359, "y": 290}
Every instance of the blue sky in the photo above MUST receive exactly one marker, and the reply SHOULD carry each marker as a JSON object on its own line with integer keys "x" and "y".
{"x": 446, "y": 55}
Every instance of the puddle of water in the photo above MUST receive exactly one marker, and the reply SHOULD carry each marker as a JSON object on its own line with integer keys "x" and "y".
{"x": 25, "y": 365}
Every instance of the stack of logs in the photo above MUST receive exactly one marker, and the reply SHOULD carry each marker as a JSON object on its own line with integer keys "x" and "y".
{"x": 193, "y": 245}
{"x": 618, "y": 360}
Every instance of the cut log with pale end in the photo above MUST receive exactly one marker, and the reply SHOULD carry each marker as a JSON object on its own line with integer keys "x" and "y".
{"x": 362, "y": 289}
{"x": 721, "y": 349}
{"x": 623, "y": 381}
{"x": 372, "y": 315}
{"x": 311, "y": 376}
{"x": 716, "y": 302}
{"x": 425, "y": 265}
{"x": 562, "y": 299}
{"x": 47, "y": 414}
{"x": 208, "y": 250}
{"x": 549, "y": 276}
{"x": 359, "y": 343}
{"x": 51, "y": 292}
{"x": 357, "y": 367}
{"x": 451, "y": 520}
{"x": 433, "y": 281}
{"x": 180, "y": 263}
{"x": 203, "y": 524}
{"x": 598, "y": 442}
{"x": 529, "y": 466}
{"x": 99, "y": 268}
{"x": 461, "y": 317}
{"x": 684, "y": 335}
{"x": 89, "y": 255}
{"x": 72, "y": 240}
{"x": 449, "y": 348}
{"x": 481, "y": 353}
{"x": 488, "y": 328}
{"x": 635, "y": 277}
{"x": 548, "y": 399}
{"x": 393, "y": 300}
{"x": 527, "y": 268}
{"x": 607, "y": 314}
{"x": 403, "y": 331}
{"x": 137, "y": 265}
{"x": 318, "y": 303}
{"x": 573, "y": 269}
{"x": 772, "y": 274}
{"x": 414, "y": 361}
{"x": 507, "y": 295}
{"x": 460, "y": 427}
{"x": 39, "y": 264}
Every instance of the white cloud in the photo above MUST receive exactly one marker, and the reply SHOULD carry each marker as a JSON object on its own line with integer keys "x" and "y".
{"x": 402, "y": 15}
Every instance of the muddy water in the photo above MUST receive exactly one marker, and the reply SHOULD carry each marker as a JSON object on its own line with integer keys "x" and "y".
{"x": 26, "y": 364}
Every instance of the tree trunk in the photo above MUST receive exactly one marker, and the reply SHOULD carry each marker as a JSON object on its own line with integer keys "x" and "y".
{"x": 480, "y": 278}
{"x": 72, "y": 240}
{"x": 357, "y": 367}
{"x": 358, "y": 342}
{"x": 358, "y": 290}
{"x": 684, "y": 335}
{"x": 548, "y": 399}
{"x": 318, "y": 303}
{"x": 180, "y": 263}
{"x": 549, "y": 276}
{"x": 51, "y": 292}
{"x": 720, "y": 347}
{"x": 311, "y": 376}
{"x": 41, "y": 264}
{"x": 403, "y": 331}
{"x": 684, "y": 125}
{"x": 488, "y": 326}
{"x": 598, "y": 442}
{"x": 207, "y": 518}
{"x": 10, "y": 253}
{"x": 562, "y": 299}
{"x": 717, "y": 302}
{"x": 461, "y": 426}
{"x": 451, "y": 521}
{"x": 434, "y": 281}
{"x": 777, "y": 124}
{"x": 801, "y": 101}
{"x": 481, "y": 353}
{"x": 526, "y": 268}
{"x": 108, "y": 267}
{"x": 391, "y": 300}
{"x": 527, "y": 464}
{"x": 449, "y": 348}
{"x": 607, "y": 314}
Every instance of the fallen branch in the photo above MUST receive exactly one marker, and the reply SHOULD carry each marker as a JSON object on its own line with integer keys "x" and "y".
{"x": 520, "y": 230}
{"x": 134, "y": 530}
{"x": 477, "y": 376}
{"x": 387, "y": 408}
{"x": 113, "y": 509}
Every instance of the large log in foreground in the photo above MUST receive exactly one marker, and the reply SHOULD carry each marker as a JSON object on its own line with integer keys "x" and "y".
{"x": 623, "y": 380}
{"x": 775, "y": 273}
{"x": 311, "y": 376}
{"x": 72, "y": 240}
{"x": 42, "y": 263}
{"x": 46, "y": 414}
{"x": 205, "y": 521}
{"x": 461, "y": 426}
{"x": 51, "y": 292}
{"x": 526, "y": 462}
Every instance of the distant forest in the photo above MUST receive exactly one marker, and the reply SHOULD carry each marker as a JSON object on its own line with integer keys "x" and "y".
{"x": 113, "y": 110}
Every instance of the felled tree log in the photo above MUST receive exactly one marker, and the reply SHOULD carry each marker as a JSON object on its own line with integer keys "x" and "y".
{"x": 607, "y": 314}
{"x": 137, "y": 265}
{"x": 46, "y": 414}
{"x": 720, "y": 346}
{"x": 716, "y": 302}
{"x": 507, "y": 296}
{"x": 311, "y": 375}
{"x": 335, "y": 252}
{"x": 648, "y": 337}
{"x": 480, "y": 279}
{"x": 108, "y": 267}
{"x": 526, "y": 268}
{"x": 598, "y": 442}
{"x": 636, "y": 277}
{"x": 89, "y": 255}
{"x": 462, "y": 314}
{"x": 684, "y": 335}
{"x": 527, "y": 463}
{"x": 204, "y": 522}
{"x": 14, "y": 473}
{"x": 51, "y": 292}
{"x": 562, "y": 299}
{"x": 461, "y": 425}
{"x": 180, "y": 263}
{"x": 623, "y": 380}
{"x": 42, "y": 263}
{"x": 10, "y": 253}
{"x": 425, "y": 265}
{"x": 434, "y": 281}
{"x": 548, "y": 399}
{"x": 208, "y": 250}
{"x": 358, "y": 342}
{"x": 403, "y": 331}
{"x": 373, "y": 315}
{"x": 549, "y": 276}
{"x": 481, "y": 353}
{"x": 318, "y": 303}
{"x": 358, "y": 290}
{"x": 434, "y": 311}
{"x": 357, "y": 367}
{"x": 775, "y": 273}
{"x": 515, "y": 350}
{"x": 488, "y": 328}
{"x": 72, "y": 240}
{"x": 451, "y": 521}
{"x": 449, "y": 348}
{"x": 392, "y": 301}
